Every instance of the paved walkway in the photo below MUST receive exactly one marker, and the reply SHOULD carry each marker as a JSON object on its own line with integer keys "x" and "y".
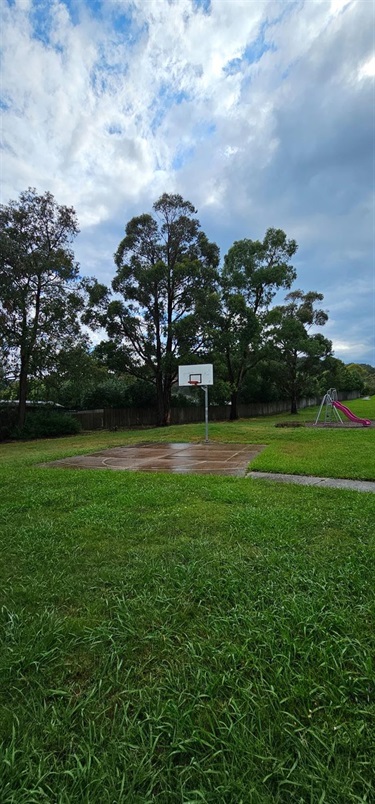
{"x": 310, "y": 480}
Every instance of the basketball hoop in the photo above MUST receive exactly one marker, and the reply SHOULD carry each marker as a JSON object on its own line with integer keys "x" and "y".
{"x": 200, "y": 375}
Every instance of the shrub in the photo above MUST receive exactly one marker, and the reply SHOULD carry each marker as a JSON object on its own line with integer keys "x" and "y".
{"x": 290, "y": 424}
{"x": 46, "y": 424}
{"x": 180, "y": 400}
{"x": 8, "y": 417}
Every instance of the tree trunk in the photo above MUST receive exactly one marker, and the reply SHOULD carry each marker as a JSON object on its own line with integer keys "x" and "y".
{"x": 166, "y": 414}
{"x": 233, "y": 406}
{"x": 293, "y": 403}
{"x": 293, "y": 384}
{"x": 163, "y": 402}
{"x": 22, "y": 393}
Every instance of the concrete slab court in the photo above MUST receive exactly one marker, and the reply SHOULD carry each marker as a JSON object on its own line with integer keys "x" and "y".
{"x": 182, "y": 459}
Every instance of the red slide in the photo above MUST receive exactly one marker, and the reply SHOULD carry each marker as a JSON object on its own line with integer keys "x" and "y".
{"x": 350, "y": 415}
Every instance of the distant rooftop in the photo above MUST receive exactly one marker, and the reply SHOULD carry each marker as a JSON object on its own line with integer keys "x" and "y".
{"x": 12, "y": 403}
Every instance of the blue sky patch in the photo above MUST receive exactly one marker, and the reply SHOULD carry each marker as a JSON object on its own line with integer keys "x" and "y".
{"x": 41, "y": 22}
{"x": 73, "y": 8}
{"x": 252, "y": 53}
{"x": 126, "y": 25}
{"x": 182, "y": 156}
{"x": 166, "y": 99}
{"x": 204, "y": 130}
{"x": 257, "y": 49}
{"x": 202, "y": 5}
{"x": 114, "y": 128}
{"x": 95, "y": 6}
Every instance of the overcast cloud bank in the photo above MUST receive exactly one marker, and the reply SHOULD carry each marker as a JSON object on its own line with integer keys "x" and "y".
{"x": 260, "y": 113}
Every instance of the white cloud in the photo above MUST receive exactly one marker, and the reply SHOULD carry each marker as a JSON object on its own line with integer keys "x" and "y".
{"x": 354, "y": 351}
{"x": 246, "y": 110}
{"x": 367, "y": 70}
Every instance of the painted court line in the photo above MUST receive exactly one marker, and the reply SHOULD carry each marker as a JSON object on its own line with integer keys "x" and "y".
{"x": 194, "y": 458}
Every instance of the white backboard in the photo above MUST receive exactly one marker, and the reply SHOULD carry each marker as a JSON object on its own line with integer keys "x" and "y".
{"x": 201, "y": 374}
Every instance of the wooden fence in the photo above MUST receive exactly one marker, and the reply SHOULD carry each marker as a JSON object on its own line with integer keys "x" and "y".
{"x": 124, "y": 418}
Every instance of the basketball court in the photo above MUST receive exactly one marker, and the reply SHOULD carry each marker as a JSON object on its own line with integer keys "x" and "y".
{"x": 182, "y": 459}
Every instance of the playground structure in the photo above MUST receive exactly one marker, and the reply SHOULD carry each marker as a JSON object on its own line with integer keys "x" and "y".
{"x": 333, "y": 409}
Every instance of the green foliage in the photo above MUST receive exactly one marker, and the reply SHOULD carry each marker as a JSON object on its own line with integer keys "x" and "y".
{"x": 253, "y": 272}
{"x": 370, "y": 376}
{"x": 297, "y": 353}
{"x": 254, "y": 269}
{"x": 334, "y": 374}
{"x": 116, "y": 392}
{"x": 45, "y": 424}
{"x": 260, "y": 383}
{"x": 362, "y": 377}
{"x": 220, "y": 391}
{"x": 8, "y": 421}
{"x": 165, "y": 268}
{"x": 172, "y": 306}
{"x": 181, "y": 400}
{"x": 40, "y": 296}
{"x": 352, "y": 377}
{"x": 76, "y": 369}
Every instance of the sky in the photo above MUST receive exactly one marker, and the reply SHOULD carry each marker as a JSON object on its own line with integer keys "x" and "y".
{"x": 260, "y": 113}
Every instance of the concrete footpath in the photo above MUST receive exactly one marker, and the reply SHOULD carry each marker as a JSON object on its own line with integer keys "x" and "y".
{"x": 310, "y": 480}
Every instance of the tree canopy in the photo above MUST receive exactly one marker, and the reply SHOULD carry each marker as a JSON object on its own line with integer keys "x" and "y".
{"x": 297, "y": 351}
{"x": 253, "y": 272}
{"x": 40, "y": 296}
{"x": 169, "y": 303}
{"x": 166, "y": 269}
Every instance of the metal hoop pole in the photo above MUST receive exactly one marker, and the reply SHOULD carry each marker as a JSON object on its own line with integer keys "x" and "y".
{"x": 205, "y": 388}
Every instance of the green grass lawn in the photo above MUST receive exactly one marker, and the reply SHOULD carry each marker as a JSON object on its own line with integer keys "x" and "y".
{"x": 181, "y": 639}
{"x": 343, "y": 453}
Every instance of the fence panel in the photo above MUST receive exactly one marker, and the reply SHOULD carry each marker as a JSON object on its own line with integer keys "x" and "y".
{"x": 122, "y": 418}
{"x": 89, "y": 419}
{"x": 129, "y": 417}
